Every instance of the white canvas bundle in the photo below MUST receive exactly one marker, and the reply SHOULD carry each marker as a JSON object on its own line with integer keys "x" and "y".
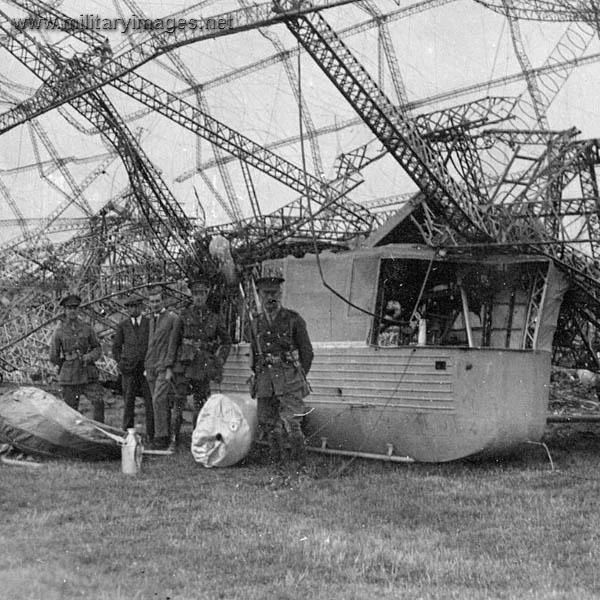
{"x": 224, "y": 430}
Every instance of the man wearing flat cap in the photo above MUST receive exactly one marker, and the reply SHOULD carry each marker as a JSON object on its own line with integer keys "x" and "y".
{"x": 129, "y": 351}
{"x": 203, "y": 352}
{"x": 164, "y": 340}
{"x": 282, "y": 355}
{"x": 74, "y": 348}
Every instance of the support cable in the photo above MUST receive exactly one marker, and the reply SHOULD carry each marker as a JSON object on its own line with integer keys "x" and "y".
{"x": 309, "y": 203}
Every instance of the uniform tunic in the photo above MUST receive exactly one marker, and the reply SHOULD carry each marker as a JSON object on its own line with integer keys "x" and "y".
{"x": 71, "y": 342}
{"x": 200, "y": 359}
{"x": 74, "y": 348}
{"x": 205, "y": 345}
{"x": 281, "y": 358}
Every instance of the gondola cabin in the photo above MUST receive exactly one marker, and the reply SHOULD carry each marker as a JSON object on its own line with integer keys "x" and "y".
{"x": 421, "y": 355}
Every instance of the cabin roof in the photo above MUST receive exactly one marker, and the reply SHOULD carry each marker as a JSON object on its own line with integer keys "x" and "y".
{"x": 398, "y": 227}
{"x": 424, "y": 252}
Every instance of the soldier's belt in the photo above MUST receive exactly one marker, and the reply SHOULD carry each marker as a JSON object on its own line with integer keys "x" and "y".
{"x": 196, "y": 344}
{"x": 72, "y": 355}
{"x": 283, "y": 358}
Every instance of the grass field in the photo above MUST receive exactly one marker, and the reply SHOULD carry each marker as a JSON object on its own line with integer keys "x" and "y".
{"x": 488, "y": 529}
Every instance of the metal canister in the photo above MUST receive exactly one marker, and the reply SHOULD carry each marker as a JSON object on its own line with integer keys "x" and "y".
{"x": 131, "y": 453}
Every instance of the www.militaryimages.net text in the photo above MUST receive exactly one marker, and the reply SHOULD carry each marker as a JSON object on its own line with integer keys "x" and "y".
{"x": 133, "y": 23}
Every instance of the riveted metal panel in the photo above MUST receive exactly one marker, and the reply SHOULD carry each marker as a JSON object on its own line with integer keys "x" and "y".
{"x": 368, "y": 399}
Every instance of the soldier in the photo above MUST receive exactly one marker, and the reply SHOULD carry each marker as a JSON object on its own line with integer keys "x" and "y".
{"x": 202, "y": 354}
{"x": 75, "y": 348}
{"x": 129, "y": 350}
{"x": 281, "y": 359}
{"x": 163, "y": 343}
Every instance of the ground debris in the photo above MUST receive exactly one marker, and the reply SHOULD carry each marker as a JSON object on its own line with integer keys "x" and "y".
{"x": 572, "y": 395}
{"x": 12, "y": 456}
{"x": 569, "y": 395}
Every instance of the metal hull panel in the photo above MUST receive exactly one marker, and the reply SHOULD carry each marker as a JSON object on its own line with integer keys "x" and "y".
{"x": 431, "y": 404}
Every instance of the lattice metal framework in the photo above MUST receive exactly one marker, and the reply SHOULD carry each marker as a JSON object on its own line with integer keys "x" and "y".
{"x": 479, "y": 184}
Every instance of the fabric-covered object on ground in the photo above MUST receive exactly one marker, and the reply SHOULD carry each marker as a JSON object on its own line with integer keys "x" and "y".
{"x": 37, "y": 423}
{"x": 224, "y": 430}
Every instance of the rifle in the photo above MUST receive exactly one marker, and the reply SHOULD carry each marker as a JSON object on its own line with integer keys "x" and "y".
{"x": 257, "y": 302}
{"x": 255, "y": 341}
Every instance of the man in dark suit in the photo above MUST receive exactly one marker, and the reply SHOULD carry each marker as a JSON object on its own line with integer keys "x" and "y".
{"x": 129, "y": 350}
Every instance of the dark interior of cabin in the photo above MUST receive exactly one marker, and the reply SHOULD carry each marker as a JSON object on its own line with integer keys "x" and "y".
{"x": 454, "y": 304}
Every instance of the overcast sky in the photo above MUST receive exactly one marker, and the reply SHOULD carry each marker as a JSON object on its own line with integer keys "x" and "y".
{"x": 440, "y": 52}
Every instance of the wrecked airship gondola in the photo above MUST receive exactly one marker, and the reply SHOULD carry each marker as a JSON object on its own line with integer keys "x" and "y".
{"x": 451, "y": 358}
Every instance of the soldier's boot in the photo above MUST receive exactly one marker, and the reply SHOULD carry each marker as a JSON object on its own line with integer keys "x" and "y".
{"x": 198, "y": 403}
{"x": 176, "y": 432}
{"x": 99, "y": 410}
{"x": 277, "y": 450}
{"x": 298, "y": 449}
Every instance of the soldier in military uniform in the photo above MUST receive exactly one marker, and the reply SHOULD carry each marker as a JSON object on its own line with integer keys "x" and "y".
{"x": 204, "y": 349}
{"x": 74, "y": 348}
{"x": 281, "y": 358}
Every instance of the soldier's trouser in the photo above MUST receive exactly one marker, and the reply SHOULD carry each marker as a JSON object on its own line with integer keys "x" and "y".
{"x": 160, "y": 388}
{"x": 200, "y": 388}
{"x": 280, "y": 415}
{"x": 133, "y": 383}
{"x": 94, "y": 392}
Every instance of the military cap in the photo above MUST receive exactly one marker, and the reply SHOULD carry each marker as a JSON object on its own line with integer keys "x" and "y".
{"x": 155, "y": 288}
{"x": 269, "y": 282}
{"x": 202, "y": 281}
{"x": 271, "y": 278}
{"x": 71, "y": 300}
{"x": 133, "y": 300}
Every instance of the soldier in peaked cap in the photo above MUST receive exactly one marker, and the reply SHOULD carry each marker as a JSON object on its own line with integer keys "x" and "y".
{"x": 203, "y": 352}
{"x": 74, "y": 348}
{"x": 282, "y": 355}
{"x": 129, "y": 351}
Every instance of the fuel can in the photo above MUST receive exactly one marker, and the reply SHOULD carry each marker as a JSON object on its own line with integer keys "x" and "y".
{"x": 131, "y": 453}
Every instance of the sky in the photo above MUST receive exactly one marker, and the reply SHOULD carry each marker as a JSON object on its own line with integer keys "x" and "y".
{"x": 440, "y": 52}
